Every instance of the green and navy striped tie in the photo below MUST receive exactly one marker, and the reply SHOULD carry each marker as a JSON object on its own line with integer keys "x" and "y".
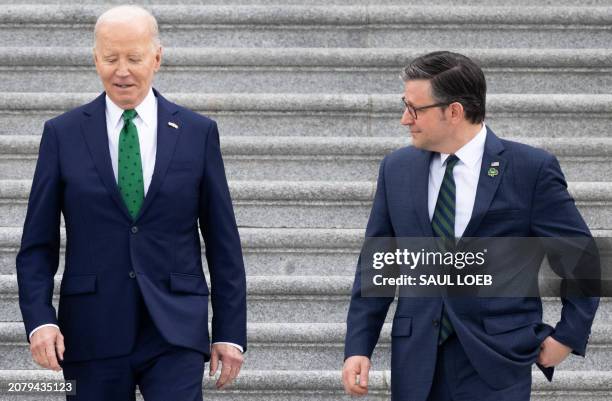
{"x": 131, "y": 185}
{"x": 443, "y": 225}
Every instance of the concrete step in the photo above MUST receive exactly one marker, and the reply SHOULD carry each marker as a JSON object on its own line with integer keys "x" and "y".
{"x": 355, "y": 115}
{"x": 278, "y": 385}
{"x": 308, "y": 70}
{"x": 307, "y": 346}
{"x": 327, "y": 26}
{"x": 293, "y": 299}
{"x": 313, "y": 204}
{"x": 324, "y": 158}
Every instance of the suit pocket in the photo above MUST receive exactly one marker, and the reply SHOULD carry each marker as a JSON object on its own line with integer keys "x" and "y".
{"x": 402, "y": 326}
{"x": 507, "y": 323}
{"x": 80, "y": 284}
{"x": 188, "y": 284}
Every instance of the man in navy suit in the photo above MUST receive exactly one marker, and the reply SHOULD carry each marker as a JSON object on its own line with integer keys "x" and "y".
{"x": 458, "y": 179}
{"x": 134, "y": 175}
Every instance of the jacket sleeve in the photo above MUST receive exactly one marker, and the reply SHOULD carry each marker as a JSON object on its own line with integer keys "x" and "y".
{"x": 38, "y": 257}
{"x": 223, "y": 251}
{"x": 554, "y": 214}
{"x": 366, "y": 315}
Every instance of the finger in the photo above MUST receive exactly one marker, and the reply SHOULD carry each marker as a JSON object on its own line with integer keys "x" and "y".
{"x": 59, "y": 347}
{"x": 364, "y": 373}
{"x": 238, "y": 368}
{"x": 345, "y": 379}
{"x": 225, "y": 373}
{"x": 214, "y": 363}
{"x": 51, "y": 357}
{"x": 232, "y": 375}
{"x": 350, "y": 380}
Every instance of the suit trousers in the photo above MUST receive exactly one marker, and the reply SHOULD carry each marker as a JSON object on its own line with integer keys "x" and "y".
{"x": 160, "y": 370}
{"x": 456, "y": 380}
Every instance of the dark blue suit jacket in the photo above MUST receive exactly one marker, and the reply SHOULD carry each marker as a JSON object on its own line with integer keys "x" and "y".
{"x": 112, "y": 259}
{"x": 501, "y": 336}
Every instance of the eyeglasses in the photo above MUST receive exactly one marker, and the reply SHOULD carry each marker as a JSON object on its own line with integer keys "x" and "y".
{"x": 413, "y": 110}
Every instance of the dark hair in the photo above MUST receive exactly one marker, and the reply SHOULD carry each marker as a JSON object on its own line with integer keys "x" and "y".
{"x": 454, "y": 78}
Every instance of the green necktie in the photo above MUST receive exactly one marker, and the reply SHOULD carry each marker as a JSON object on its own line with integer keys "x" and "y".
{"x": 131, "y": 184}
{"x": 443, "y": 225}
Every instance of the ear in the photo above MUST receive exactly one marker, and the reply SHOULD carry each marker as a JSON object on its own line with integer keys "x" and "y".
{"x": 456, "y": 112}
{"x": 95, "y": 58}
{"x": 158, "y": 58}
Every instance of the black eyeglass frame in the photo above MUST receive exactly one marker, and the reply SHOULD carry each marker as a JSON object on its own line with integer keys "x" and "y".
{"x": 413, "y": 110}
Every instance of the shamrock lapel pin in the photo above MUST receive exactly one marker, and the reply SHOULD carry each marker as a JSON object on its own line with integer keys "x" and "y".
{"x": 493, "y": 171}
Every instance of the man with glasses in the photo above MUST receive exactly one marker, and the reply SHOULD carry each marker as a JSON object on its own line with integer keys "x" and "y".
{"x": 458, "y": 179}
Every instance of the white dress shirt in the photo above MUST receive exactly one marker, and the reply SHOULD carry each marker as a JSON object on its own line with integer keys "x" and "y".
{"x": 146, "y": 124}
{"x": 465, "y": 173}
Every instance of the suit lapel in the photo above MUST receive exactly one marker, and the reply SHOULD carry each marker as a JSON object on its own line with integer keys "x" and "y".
{"x": 487, "y": 183}
{"x": 94, "y": 131}
{"x": 418, "y": 174}
{"x": 166, "y": 142}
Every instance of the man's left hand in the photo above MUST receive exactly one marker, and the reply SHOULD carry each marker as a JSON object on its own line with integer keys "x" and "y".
{"x": 552, "y": 352}
{"x": 231, "y": 360}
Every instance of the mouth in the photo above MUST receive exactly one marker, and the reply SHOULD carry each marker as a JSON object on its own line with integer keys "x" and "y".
{"x": 123, "y": 86}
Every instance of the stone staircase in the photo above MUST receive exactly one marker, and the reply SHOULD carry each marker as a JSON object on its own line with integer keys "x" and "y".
{"x": 307, "y": 101}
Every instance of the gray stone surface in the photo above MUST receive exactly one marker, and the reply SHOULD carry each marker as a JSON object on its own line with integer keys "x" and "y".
{"x": 313, "y": 204}
{"x": 325, "y": 385}
{"x": 297, "y": 70}
{"x": 421, "y": 3}
{"x": 336, "y": 26}
{"x": 335, "y": 115}
{"x": 324, "y": 158}
{"x": 332, "y": 2}
{"x": 179, "y": 57}
{"x": 306, "y": 346}
{"x": 294, "y": 299}
{"x": 301, "y": 80}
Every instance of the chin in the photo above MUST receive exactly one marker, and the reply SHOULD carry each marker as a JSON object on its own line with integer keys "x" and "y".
{"x": 126, "y": 103}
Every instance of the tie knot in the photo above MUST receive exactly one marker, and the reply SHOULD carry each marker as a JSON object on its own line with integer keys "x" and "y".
{"x": 128, "y": 115}
{"x": 451, "y": 161}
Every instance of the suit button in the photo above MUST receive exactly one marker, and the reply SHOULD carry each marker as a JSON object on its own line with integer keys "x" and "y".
{"x": 134, "y": 230}
{"x": 436, "y": 322}
{"x": 132, "y": 274}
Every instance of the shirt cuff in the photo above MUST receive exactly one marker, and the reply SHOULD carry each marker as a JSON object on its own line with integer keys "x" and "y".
{"x": 224, "y": 342}
{"x": 40, "y": 327}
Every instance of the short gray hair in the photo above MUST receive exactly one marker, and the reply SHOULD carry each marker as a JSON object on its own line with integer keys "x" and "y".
{"x": 127, "y": 13}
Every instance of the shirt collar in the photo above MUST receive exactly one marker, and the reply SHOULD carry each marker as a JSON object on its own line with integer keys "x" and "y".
{"x": 470, "y": 153}
{"x": 146, "y": 110}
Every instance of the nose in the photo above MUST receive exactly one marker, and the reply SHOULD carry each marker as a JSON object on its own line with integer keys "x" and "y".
{"x": 122, "y": 69}
{"x": 406, "y": 118}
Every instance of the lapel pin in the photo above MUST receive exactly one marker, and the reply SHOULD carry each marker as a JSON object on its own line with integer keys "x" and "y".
{"x": 492, "y": 172}
{"x": 494, "y": 164}
{"x": 173, "y": 125}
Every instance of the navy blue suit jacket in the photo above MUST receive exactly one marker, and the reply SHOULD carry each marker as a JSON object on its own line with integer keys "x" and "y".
{"x": 111, "y": 258}
{"x": 501, "y": 336}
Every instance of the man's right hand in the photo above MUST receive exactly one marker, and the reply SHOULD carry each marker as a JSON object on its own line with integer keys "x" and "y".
{"x": 46, "y": 345}
{"x": 354, "y": 366}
